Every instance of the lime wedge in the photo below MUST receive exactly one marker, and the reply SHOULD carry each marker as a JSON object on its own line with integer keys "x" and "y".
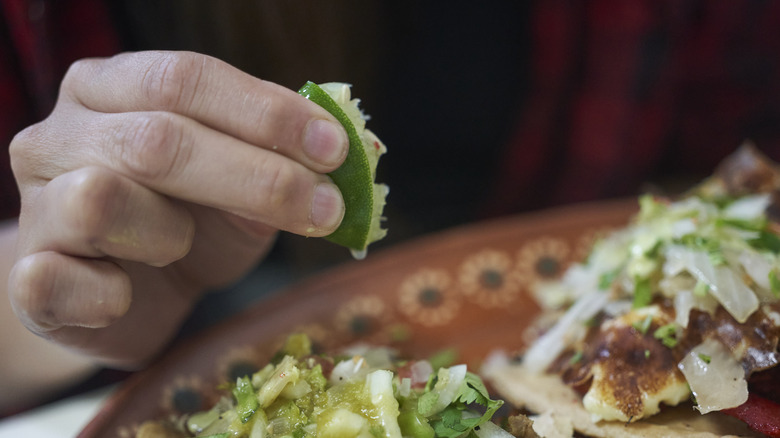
{"x": 364, "y": 199}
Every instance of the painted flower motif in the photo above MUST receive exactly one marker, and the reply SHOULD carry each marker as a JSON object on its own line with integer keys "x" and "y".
{"x": 489, "y": 279}
{"x": 185, "y": 395}
{"x": 543, "y": 259}
{"x": 364, "y": 317}
{"x": 238, "y": 362}
{"x": 427, "y": 298}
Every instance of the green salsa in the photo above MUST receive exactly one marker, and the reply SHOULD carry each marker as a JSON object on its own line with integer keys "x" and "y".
{"x": 370, "y": 395}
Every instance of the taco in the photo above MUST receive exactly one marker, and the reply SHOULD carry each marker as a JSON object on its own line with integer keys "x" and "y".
{"x": 670, "y": 326}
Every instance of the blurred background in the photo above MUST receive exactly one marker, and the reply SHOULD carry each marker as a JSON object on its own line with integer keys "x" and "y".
{"x": 487, "y": 108}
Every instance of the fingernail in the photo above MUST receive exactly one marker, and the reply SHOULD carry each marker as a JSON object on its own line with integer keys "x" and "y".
{"x": 325, "y": 142}
{"x": 327, "y": 207}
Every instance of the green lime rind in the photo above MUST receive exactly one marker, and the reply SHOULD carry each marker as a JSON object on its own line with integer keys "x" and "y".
{"x": 364, "y": 199}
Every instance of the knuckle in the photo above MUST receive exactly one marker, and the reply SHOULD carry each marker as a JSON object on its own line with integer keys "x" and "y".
{"x": 76, "y": 73}
{"x": 88, "y": 201}
{"x": 151, "y": 146}
{"x": 22, "y": 144}
{"x": 278, "y": 187}
{"x": 171, "y": 81}
{"x": 26, "y": 152}
{"x": 46, "y": 293}
{"x": 262, "y": 107}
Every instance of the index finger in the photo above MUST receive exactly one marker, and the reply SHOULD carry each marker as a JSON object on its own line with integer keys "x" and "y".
{"x": 215, "y": 94}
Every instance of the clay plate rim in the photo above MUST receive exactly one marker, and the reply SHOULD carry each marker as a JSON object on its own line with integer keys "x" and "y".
{"x": 466, "y": 288}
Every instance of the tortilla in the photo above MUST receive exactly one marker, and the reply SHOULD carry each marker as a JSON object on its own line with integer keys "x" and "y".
{"x": 547, "y": 393}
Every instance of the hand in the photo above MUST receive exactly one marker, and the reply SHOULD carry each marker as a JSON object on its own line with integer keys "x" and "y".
{"x": 157, "y": 176}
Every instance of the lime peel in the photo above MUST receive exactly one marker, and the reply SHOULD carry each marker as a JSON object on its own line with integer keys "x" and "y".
{"x": 364, "y": 199}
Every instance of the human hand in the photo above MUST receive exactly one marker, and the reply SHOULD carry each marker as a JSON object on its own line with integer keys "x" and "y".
{"x": 157, "y": 176}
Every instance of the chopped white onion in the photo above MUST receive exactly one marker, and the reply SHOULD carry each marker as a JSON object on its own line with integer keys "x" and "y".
{"x": 295, "y": 390}
{"x": 405, "y": 387}
{"x": 670, "y": 286}
{"x": 676, "y": 260}
{"x": 486, "y": 429}
{"x": 683, "y": 303}
{"x": 687, "y": 300}
{"x": 758, "y": 267}
{"x": 343, "y": 422}
{"x": 644, "y": 240}
{"x": 494, "y": 361}
{"x": 551, "y": 294}
{"x": 683, "y": 227}
{"x": 748, "y": 207}
{"x": 491, "y": 430}
{"x": 348, "y": 370}
{"x": 724, "y": 284}
{"x": 576, "y": 279}
{"x": 380, "y": 386}
{"x": 716, "y": 378}
{"x": 259, "y": 428}
{"x": 279, "y": 426}
{"x": 285, "y": 373}
{"x": 421, "y": 372}
{"x": 733, "y": 294}
{"x": 553, "y": 342}
{"x": 447, "y": 386}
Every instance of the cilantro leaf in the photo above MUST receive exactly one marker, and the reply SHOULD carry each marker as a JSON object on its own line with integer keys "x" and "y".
{"x": 458, "y": 418}
{"x": 774, "y": 283}
{"x": 427, "y": 402}
{"x": 473, "y": 391}
{"x": 453, "y": 425}
{"x": 606, "y": 279}
{"x": 643, "y": 293}
{"x": 757, "y": 224}
{"x": 767, "y": 241}
{"x": 644, "y": 325}
{"x": 667, "y": 334}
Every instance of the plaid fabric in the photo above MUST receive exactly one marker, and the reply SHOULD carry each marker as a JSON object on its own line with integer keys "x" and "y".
{"x": 39, "y": 41}
{"x": 626, "y": 92}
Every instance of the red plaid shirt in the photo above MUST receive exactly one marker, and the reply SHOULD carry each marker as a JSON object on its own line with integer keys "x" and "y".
{"x": 39, "y": 41}
{"x": 628, "y": 92}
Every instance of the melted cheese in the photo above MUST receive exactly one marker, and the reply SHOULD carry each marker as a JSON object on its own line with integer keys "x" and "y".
{"x": 606, "y": 402}
{"x": 632, "y": 373}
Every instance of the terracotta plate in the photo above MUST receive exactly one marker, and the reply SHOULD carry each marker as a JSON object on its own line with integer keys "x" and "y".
{"x": 465, "y": 289}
